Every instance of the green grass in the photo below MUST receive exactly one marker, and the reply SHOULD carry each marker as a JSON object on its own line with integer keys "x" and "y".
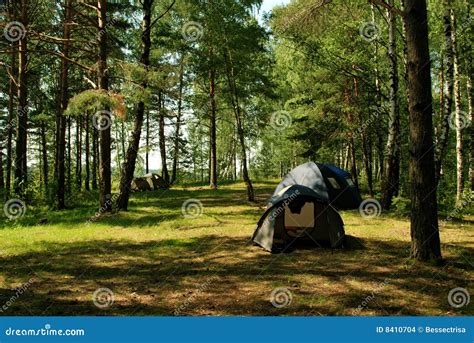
{"x": 157, "y": 262}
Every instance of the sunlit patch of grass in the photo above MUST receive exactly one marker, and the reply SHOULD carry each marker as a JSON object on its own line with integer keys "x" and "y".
{"x": 155, "y": 260}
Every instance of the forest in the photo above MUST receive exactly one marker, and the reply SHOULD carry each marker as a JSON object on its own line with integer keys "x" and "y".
{"x": 141, "y": 139}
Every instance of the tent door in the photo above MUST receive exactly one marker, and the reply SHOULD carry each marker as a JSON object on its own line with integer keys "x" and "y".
{"x": 297, "y": 223}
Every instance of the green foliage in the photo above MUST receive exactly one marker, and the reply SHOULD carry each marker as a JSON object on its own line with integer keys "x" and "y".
{"x": 94, "y": 100}
{"x": 401, "y": 205}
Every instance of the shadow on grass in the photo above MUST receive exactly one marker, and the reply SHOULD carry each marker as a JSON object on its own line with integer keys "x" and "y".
{"x": 158, "y": 277}
{"x": 159, "y": 202}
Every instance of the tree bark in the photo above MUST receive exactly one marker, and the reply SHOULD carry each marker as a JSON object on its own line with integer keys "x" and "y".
{"x": 44, "y": 156}
{"x": 2, "y": 180}
{"x": 128, "y": 168}
{"x": 471, "y": 129}
{"x": 162, "y": 137}
{"x": 69, "y": 157}
{"x": 95, "y": 154}
{"x": 378, "y": 97}
{"x": 443, "y": 130}
{"x": 391, "y": 180}
{"x": 174, "y": 171}
{"x": 59, "y": 171}
{"x": 470, "y": 98}
{"x": 352, "y": 152}
{"x": 212, "y": 130}
{"x": 441, "y": 99}
{"x": 22, "y": 114}
{"x": 470, "y": 101}
{"x": 367, "y": 151}
{"x": 11, "y": 114}
{"x": 147, "y": 151}
{"x": 424, "y": 213}
{"x": 238, "y": 121}
{"x": 117, "y": 139}
{"x": 88, "y": 154}
{"x": 105, "y": 184}
{"x": 79, "y": 153}
{"x": 458, "y": 113}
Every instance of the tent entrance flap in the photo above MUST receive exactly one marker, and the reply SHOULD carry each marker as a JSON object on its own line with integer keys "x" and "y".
{"x": 297, "y": 222}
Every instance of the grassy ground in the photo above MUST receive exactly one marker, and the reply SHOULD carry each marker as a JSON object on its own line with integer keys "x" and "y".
{"x": 157, "y": 262}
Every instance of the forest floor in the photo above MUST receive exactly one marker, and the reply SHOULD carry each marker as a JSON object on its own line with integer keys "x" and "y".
{"x": 157, "y": 262}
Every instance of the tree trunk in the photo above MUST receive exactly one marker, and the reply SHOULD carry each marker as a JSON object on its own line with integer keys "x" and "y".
{"x": 59, "y": 169}
{"x": 162, "y": 137}
{"x": 378, "y": 97}
{"x": 11, "y": 114}
{"x": 441, "y": 99}
{"x": 105, "y": 187}
{"x": 123, "y": 138}
{"x": 367, "y": 150}
{"x": 69, "y": 156}
{"x": 470, "y": 99}
{"x": 238, "y": 120}
{"x": 128, "y": 168}
{"x": 212, "y": 129}
{"x": 390, "y": 184}
{"x": 459, "y": 115}
{"x": 22, "y": 114}
{"x": 354, "y": 171}
{"x": 117, "y": 139}
{"x": 346, "y": 157}
{"x": 178, "y": 121}
{"x": 424, "y": 213}
{"x": 44, "y": 156}
{"x": 147, "y": 151}
{"x": 95, "y": 154}
{"x": 79, "y": 153}
{"x": 2, "y": 182}
{"x": 88, "y": 155}
{"x": 443, "y": 130}
{"x": 352, "y": 152}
